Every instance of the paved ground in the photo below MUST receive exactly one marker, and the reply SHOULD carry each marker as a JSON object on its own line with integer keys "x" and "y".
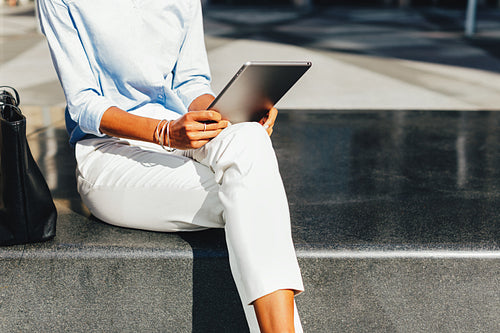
{"x": 364, "y": 58}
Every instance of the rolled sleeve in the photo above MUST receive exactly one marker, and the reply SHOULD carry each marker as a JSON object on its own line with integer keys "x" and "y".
{"x": 86, "y": 105}
{"x": 192, "y": 73}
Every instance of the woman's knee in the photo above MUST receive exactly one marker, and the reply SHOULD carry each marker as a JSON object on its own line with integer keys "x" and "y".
{"x": 242, "y": 147}
{"x": 251, "y": 129}
{"x": 249, "y": 135}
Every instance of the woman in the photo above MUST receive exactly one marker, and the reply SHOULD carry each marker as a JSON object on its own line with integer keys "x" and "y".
{"x": 150, "y": 156}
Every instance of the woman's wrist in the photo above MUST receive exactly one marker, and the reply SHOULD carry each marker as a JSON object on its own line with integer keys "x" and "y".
{"x": 119, "y": 123}
{"x": 162, "y": 135}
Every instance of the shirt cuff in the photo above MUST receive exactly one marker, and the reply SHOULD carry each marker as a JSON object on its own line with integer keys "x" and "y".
{"x": 89, "y": 115}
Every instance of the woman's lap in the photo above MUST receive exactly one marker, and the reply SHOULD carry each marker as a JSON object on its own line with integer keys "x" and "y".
{"x": 139, "y": 186}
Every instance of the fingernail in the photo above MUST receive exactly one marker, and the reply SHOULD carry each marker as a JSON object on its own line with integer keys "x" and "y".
{"x": 266, "y": 126}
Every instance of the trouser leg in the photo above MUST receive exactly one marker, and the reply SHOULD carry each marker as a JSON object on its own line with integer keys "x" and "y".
{"x": 258, "y": 233}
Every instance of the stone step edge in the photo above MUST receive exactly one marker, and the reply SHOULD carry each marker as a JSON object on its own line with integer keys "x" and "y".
{"x": 116, "y": 252}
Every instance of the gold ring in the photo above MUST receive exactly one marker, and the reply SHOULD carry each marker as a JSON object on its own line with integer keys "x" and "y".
{"x": 205, "y": 128}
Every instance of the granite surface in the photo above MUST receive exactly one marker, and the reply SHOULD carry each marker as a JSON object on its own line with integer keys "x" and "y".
{"x": 380, "y": 179}
{"x": 182, "y": 295}
{"x": 392, "y": 178}
{"x": 394, "y": 216}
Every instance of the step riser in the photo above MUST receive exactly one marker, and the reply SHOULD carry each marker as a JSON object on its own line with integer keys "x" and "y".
{"x": 185, "y": 295}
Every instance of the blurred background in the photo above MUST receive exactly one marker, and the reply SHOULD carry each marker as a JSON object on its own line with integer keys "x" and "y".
{"x": 389, "y": 54}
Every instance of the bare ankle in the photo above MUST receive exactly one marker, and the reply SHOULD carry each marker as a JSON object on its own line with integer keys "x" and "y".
{"x": 275, "y": 312}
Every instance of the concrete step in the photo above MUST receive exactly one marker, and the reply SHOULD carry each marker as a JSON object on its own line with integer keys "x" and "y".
{"x": 395, "y": 221}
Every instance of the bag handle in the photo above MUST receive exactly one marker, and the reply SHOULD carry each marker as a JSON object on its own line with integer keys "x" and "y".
{"x": 9, "y": 109}
{"x": 6, "y": 97}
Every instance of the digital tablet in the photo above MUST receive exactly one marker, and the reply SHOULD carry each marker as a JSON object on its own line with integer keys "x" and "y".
{"x": 256, "y": 88}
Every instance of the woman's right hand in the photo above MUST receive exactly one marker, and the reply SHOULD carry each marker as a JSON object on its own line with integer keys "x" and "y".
{"x": 195, "y": 129}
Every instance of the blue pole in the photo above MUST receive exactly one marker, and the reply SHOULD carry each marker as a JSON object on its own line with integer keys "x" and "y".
{"x": 470, "y": 18}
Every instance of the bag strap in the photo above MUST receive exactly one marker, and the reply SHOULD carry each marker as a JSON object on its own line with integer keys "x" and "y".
{"x": 9, "y": 109}
{"x": 7, "y": 98}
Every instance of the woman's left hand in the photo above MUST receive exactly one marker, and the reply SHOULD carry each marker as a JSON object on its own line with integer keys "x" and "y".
{"x": 268, "y": 120}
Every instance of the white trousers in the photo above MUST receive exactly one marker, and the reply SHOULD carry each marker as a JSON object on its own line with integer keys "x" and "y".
{"x": 233, "y": 182}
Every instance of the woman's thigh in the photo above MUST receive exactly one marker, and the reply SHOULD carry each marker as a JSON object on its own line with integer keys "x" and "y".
{"x": 140, "y": 186}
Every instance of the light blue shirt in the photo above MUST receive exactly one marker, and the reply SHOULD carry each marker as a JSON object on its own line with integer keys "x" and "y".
{"x": 138, "y": 55}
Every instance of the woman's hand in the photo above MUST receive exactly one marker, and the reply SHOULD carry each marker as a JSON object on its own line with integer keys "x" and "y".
{"x": 268, "y": 120}
{"x": 195, "y": 129}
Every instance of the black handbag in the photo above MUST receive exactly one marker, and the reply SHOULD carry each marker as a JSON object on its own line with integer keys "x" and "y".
{"x": 27, "y": 211}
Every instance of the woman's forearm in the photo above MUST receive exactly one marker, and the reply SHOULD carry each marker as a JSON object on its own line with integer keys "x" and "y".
{"x": 119, "y": 123}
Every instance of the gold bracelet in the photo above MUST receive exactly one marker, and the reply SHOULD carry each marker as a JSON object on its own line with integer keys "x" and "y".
{"x": 157, "y": 131}
{"x": 160, "y": 134}
{"x": 169, "y": 149}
